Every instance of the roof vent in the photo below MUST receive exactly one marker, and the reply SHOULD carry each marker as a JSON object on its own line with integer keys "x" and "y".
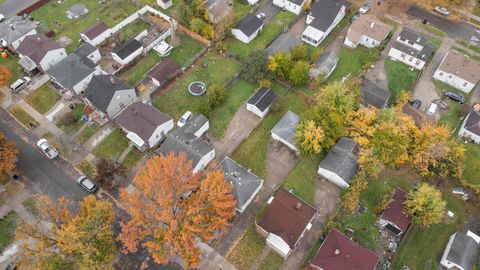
{"x": 418, "y": 39}
{"x": 372, "y": 24}
{"x": 298, "y": 206}
{"x": 337, "y": 251}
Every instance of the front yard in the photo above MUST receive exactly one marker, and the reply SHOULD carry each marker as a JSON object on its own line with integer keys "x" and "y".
{"x": 43, "y": 99}
{"x": 71, "y": 121}
{"x": 132, "y": 158}
{"x": 23, "y": 116}
{"x": 87, "y": 133}
{"x": 247, "y": 249}
{"x": 112, "y": 146}
{"x": 400, "y": 78}
{"x": 11, "y": 63}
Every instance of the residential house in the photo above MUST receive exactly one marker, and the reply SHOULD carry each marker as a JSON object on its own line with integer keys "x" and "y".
{"x": 88, "y": 51}
{"x": 76, "y": 11}
{"x": 368, "y": 31}
{"x": 459, "y": 71}
{"x": 341, "y": 163}
{"x": 373, "y": 95}
{"x": 246, "y": 185}
{"x": 165, "y": 4}
{"x": 248, "y": 28}
{"x": 39, "y": 53}
{"x": 339, "y": 252}
{"x": 187, "y": 139}
{"x": 96, "y": 33}
{"x": 420, "y": 117}
{"x": 394, "y": 217}
{"x": 165, "y": 71}
{"x": 461, "y": 251}
{"x": 285, "y": 221}
{"x": 412, "y": 48}
{"x": 294, "y": 6}
{"x": 128, "y": 51}
{"x": 107, "y": 96}
{"x": 73, "y": 73}
{"x": 471, "y": 125}
{"x": 284, "y": 131}
{"x": 218, "y": 9}
{"x": 260, "y": 102}
{"x": 324, "y": 65}
{"x": 323, "y": 17}
{"x": 14, "y": 29}
{"x": 144, "y": 125}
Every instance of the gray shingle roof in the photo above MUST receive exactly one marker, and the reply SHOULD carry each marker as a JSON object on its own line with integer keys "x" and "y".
{"x": 287, "y": 126}
{"x": 325, "y": 12}
{"x": 37, "y": 46}
{"x": 423, "y": 54}
{"x": 414, "y": 36}
{"x": 102, "y": 88}
{"x": 245, "y": 184}
{"x": 78, "y": 9}
{"x": 15, "y": 28}
{"x": 342, "y": 159}
{"x": 326, "y": 63}
{"x": 472, "y": 123}
{"x": 249, "y": 24}
{"x": 262, "y": 99}
{"x": 374, "y": 95}
{"x": 70, "y": 71}
{"x": 464, "y": 251}
{"x": 127, "y": 48}
{"x": 194, "y": 123}
{"x": 84, "y": 50}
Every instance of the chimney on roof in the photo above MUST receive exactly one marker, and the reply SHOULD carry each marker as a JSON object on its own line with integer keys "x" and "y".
{"x": 298, "y": 206}
{"x": 337, "y": 251}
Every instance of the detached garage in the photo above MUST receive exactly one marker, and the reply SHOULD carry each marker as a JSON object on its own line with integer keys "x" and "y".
{"x": 284, "y": 130}
{"x": 260, "y": 102}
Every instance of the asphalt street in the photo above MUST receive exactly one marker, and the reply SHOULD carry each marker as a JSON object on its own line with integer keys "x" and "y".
{"x": 11, "y": 7}
{"x": 56, "y": 178}
{"x": 461, "y": 30}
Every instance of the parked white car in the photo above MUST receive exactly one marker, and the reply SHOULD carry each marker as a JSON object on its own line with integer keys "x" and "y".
{"x": 432, "y": 109}
{"x": 87, "y": 184}
{"x": 48, "y": 150}
{"x": 20, "y": 84}
{"x": 365, "y": 8}
{"x": 183, "y": 120}
{"x": 442, "y": 10}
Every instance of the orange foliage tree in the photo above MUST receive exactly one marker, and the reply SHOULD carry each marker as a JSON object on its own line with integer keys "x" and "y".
{"x": 4, "y": 75}
{"x": 8, "y": 154}
{"x": 171, "y": 206}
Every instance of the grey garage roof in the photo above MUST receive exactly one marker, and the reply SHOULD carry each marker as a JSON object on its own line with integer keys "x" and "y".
{"x": 195, "y": 123}
{"x": 262, "y": 99}
{"x": 77, "y": 10}
{"x": 287, "y": 126}
{"x": 472, "y": 123}
{"x": 84, "y": 50}
{"x": 325, "y": 64}
{"x": 284, "y": 43}
{"x": 15, "y": 28}
{"x": 70, "y": 71}
{"x": 423, "y": 54}
{"x": 245, "y": 184}
{"x": 249, "y": 24}
{"x": 374, "y": 95}
{"x": 414, "y": 36}
{"x": 102, "y": 88}
{"x": 464, "y": 251}
{"x": 127, "y": 48}
{"x": 325, "y": 12}
{"x": 342, "y": 159}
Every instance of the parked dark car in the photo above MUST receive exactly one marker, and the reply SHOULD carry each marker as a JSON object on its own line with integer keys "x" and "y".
{"x": 416, "y": 103}
{"x": 455, "y": 96}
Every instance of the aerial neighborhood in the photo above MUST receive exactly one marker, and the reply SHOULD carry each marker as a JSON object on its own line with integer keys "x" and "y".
{"x": 240, "y": 134}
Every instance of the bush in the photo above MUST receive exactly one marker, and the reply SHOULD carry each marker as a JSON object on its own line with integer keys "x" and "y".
{"x": 216, "y": 95}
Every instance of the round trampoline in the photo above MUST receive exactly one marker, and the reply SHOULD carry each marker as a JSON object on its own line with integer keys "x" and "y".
{"x": 197, "y": 88}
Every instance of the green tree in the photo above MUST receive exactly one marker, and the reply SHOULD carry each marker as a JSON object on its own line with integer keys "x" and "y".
{"x": 299, "y": 52}
{"x": 309, "y": 138}
{"x": 216, "y": 95}
{"x": 256, "y": 66}
{"x": 183, "y": 14}
{"x": 299, "y": 74}
{"x": 197, "y": 25}
{"x": 280, "y": 64}
{"x": 425, "y": 205}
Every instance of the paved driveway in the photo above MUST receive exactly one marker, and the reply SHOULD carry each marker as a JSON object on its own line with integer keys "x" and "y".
{"x": 270, "y": 11}
{"x": 290, "y": 39}
{"x": 11, "y": 7}
{"x": 280, "y": 161}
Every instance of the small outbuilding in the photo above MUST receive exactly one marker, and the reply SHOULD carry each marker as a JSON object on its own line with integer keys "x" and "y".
{"x": 284, "y": 131}
{"x": 165, "y": 71}
{"x": 324, "y": 65}
{"x": 394, "y": 217}
{"x": 461, "y": 251}
{"x": 260, "y": 102}
{"x": 128, "y": 51}
{"x": 373, "y": 95}
{"x": 471, "y": 125}
{"x": 165, "y": 4}
{"x": 248, "y": 28}
{"x": 88, "y": 51}
{"x": 96, "y": 33}
{"x": 76, "y": 11}
{"x": 341, "y": 163}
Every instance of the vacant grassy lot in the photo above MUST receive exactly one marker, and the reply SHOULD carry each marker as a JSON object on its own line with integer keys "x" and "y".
{"x": 136, "y": 73}
{"x": 23, "y": 116}
{"x": 238, "y": 94}
{"x": 352, "y": 62}
{"x": 273, "y": 261}
{"x": 132, "y": 158}
{"x": 112, "y": 146}
{"x": 247, "y": 250}
{"x": 87, "y": 169}
{"x": 87, "y": 133}
{"x": 43, "y": 99}
{"x": 302, "y": 178}
{"x": 71, "y": 121}
{"x": 52, "y": 16}
{"x": 178, "y": 100}
{"x": 267, "y": 35}
{"x": 400, "y": 78}
{"x": 7, "y": 230}
{"x": 183, "y": 53}
{"x": 471, "y": 173}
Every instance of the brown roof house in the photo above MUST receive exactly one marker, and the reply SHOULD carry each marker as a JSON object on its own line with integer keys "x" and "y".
{"x": 393, "y": 217}
{"x": 471, "y": 125}
{"x": 459, "y": 71}
{"x": 39, "y": 53}
{"x": 368, "y": 31}
{"x": 285, "y": 221}
{"x": 144, "y": 125}
{"x": 165, "y": 71}
{"x": 96, "y": 33}
{"x": 337, "y": 252}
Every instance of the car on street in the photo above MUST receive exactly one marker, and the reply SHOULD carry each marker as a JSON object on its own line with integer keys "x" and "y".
{"x": 416, "y": 103}
{"x": 442, "y": 10}
{"x": 455, "y": 96}
{"x": 183, "y": 120}
{"x": 20, "y": 84}
{"x": 2, "y": 17}
{"x": 87, "y": 184}
{"x": 365, "y": 8}
{"x": 48, "y": 150}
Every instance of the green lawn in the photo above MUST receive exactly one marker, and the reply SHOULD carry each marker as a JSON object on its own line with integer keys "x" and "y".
{"x": 476, "y": 10}
{"x": 131, "y": 30}
{"x": 267, "y": 35}
{"x": 137, "y": 72}
{"x": 52, "y": 15}
{"x": 87, "y": 169}
{"x": 223, "y": 114}
{"x": 43, "y": 99}
{"x": 112, "y": 146}
{"x": 273, "y": 261}
{"x": 132, "y": 158}
{"x": 451, "y": 117}
{"x": 23, "y": 116}
{"x": 252, "y": 152}
{"x": 352, "y": 62}
{"x": 30, "y": 205}
{"x": 87, "y": 133}
{"x": 247, "y": 249}
{"x": 178, "y": 100}
{"x": 11, "y": 63}
{"x": 468, "y": 45}
{"x": 430, "y": 29}
{"x": 7, "y": 230}
{"x": 302, "y": 178}
{"x": 400, "y": 78}
{"x": 471, "y": 173}
{"x": 240, "y": 8}
{"x": 68, "y": 126}
{"x": 467, "y": 53}
{"x": 183, "y": 53}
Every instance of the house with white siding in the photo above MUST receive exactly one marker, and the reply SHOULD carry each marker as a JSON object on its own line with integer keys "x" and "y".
{"x": 38, "y": 53}
{"x": 461, "y": 252}
{"x": 128, "y": 51}
{"x": 459, "y": 71}
{"x": 470, "y": 128}
{"x": 261, "y": 101}
{"x": 88, "y": 51}
{"x": 367, "y": 31}
{"x": 96, "y": 33}
{"x": 14, "y": 29}
{"x": 294, "y": 6}
{"x": 248, "y": 28}
{"x": 412, "y": 49}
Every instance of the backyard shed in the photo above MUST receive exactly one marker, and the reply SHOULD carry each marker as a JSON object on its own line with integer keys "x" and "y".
{"x": 340, "y": 164}
{"x": 76, "y": 11}
{"x": 163, "y": 72}
{"x": 284, "y": 131}
{"x": 126, "y": 52}
{"x": 260, "y": 102}
{"x": 96, "y": 33}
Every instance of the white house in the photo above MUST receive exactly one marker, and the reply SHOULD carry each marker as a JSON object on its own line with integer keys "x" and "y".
{"x": 368, "y": 31}
{"x": 459, "y": 71}
{"x": 461, "y": 251}
{"x": 88, "y": 51}
{"x": 412, "y": 49}
{"x": 165, "y": 4}
{"x": 294, "y": 6}
{"x": 38, "y": 52}
{"x": 260, "y": 102}
{"x": 248, "y": 28}
{"x": 144, "y": 125}
{"x": 323, "y": 17}
{"x": 471, "y": 125}
{"x": 285, "y": 221}
{"x": 341, "y": 163}
{"x": 13, "y": 30}
{"x": 96, "y": 33}
{"x": 284, "y": 131}
{"x": 128, "y": 51}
